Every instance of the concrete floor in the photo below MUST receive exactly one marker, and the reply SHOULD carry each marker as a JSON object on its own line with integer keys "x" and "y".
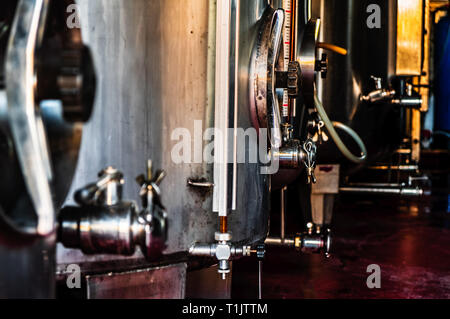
{"x": 409, "y": 240}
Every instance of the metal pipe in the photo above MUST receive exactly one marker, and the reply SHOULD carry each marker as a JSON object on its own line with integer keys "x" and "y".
{"x": 205, "y": 250}
{"x": 395, "y": 167}
{"x": 392, "y": 191}
{"x": 283, "y": 212}
{"x": 270, "y": 241}
{"x": 259, "y": 279}
{"x": 408, "y": 102}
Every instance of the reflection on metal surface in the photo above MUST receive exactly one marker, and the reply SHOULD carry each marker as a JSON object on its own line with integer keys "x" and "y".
{"x": 409, "y": 37}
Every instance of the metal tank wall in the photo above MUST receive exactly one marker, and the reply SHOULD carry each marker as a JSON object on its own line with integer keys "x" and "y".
{"x": 155, "y": 66}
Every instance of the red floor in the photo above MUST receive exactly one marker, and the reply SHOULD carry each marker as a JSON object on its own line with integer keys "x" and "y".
{"x": 409, "y": 241}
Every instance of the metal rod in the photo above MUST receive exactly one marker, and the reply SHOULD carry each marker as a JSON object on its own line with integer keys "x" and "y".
{"x": 395, "y": 167}
{"x": 260, "y": 279}
{"x": 283, "y": 212}
{"x": 270, "y": 241}
{"x": 393, "y": 191}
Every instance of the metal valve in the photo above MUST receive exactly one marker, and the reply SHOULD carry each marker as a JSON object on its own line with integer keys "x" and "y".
{"x": 223, "y": 251}
{"x": 105, "y": 224}
{"x": 313, "y": 240}
{"x": 379, "y": 94}
{"x": 377, "y": 81}
{"x": 107, "y": 191}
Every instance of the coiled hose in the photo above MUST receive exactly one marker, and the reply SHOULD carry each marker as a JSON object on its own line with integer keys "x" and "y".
{"x": 335, "y": 136}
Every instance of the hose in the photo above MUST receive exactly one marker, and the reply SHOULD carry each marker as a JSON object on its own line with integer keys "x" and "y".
{"x": 443, "y": 133}
{"x": 332, "y": 47}
{"x": 335, "y": 136}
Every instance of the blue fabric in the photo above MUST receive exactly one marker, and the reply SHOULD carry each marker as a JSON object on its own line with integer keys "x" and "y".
{"x": 442, "y": 81}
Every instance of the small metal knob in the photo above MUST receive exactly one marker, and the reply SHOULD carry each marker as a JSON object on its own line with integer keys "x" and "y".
{"x": 322, "y": 65}
{"x": 377, "y": 81}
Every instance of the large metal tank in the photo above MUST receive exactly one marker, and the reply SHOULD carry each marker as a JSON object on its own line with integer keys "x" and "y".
{"x": 371, "y": 52}
{"x": 155, "y": 61}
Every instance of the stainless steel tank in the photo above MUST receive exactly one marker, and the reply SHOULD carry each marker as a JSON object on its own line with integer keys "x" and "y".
{"x": 156, "y": 71}
{"x": 371, "y": 52}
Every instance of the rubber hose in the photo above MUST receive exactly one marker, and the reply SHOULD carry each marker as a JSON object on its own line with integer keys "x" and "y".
{"x": 336, "y": 138}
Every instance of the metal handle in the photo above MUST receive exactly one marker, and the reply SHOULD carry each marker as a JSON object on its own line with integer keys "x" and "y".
{"x": 273, "y": 109}
{"x": 26, "y": 124}
{"x": 263, "y": 97}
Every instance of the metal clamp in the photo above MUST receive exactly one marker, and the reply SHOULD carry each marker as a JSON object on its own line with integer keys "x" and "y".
{"x": 310, "y": 148}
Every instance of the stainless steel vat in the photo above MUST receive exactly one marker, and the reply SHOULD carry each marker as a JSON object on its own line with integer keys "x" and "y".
{"x": 371, "y": 51}
{"x": 155, "y": 65}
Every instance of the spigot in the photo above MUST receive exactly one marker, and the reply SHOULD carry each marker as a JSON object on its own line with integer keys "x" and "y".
{"x": 377, "y": 81}
{"x": 313, "y": 240}
{"x": 380, "y": 94}
{"x": 105, "y": 224}
{"x": 107, "y": 191}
